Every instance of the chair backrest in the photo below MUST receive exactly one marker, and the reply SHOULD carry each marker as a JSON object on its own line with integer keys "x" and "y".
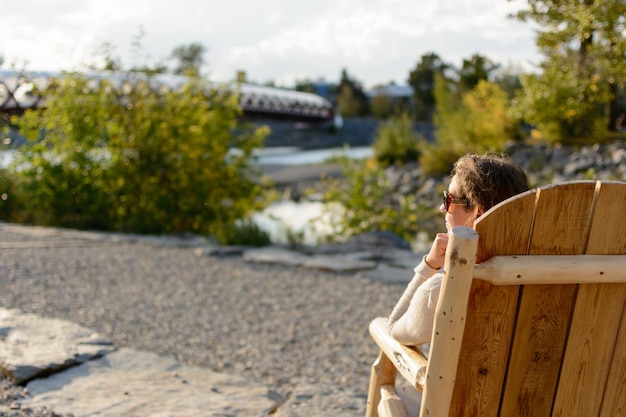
{"x": 546, "y": 349}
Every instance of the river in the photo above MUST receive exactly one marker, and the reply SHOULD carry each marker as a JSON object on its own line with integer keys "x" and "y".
{"x": 305, "y": 222}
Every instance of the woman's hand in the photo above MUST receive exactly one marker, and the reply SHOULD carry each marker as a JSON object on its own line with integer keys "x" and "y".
{"x": 437, "y": 254}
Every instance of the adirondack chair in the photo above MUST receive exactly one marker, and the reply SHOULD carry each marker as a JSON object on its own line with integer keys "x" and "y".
{"x": 531, "y": 319}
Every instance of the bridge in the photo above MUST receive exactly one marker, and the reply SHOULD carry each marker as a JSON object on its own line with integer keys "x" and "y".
{"x": 17, "y": 94}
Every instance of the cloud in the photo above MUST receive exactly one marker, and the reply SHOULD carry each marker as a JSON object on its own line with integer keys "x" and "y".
{"x": 354, "y": 33}
{"x": 376, "y": 40}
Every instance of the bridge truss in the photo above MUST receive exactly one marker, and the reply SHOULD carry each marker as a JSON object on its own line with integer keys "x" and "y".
{"x": 18, "y": 93}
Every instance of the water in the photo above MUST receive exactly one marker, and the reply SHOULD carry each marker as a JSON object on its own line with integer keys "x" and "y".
{"x": 6, "y": 157}
{"x": 297, "y": 156}
{"x": 272, "y": 156}
{"x": 305, "y": 222}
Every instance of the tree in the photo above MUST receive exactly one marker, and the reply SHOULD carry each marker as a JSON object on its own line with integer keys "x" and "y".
{"x": 189, "y": 59}
{"x": 422, "y": 80}
{"x": 474, "y": 70}
{"x": 388, "y": 101}
{"x": 381, "y": 105}
{"x": 351, "y": 99}
{"x": 396, "y": 142}
{"x": 584, "y": 44}
{"x": 509, "y": 79}
{"x": 477, "y": 121}
{"x": 305, "y": 85}
{"x": 105, "y": 59}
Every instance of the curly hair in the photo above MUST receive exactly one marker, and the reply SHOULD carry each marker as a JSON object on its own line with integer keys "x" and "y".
{"x": 486, "y": 180}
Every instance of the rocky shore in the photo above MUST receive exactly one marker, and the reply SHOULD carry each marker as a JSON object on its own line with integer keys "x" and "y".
{"x": 544, "y": 163}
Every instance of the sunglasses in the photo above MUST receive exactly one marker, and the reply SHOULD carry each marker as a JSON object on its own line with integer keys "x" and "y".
{"x": 450, "y": 199}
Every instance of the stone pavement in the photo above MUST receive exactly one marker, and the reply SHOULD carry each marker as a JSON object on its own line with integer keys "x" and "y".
{"x": 69, "y": 369}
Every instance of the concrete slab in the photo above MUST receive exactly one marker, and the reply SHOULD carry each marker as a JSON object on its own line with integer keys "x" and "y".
{"x": 32, "y": 346}
{"x": 141, "y": 384}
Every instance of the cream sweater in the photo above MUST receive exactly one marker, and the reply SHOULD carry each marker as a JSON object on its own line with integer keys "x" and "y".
{"x": 411, "y": 321}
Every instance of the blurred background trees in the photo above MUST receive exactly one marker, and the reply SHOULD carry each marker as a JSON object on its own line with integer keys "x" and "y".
{"x": 422, "y": 80}
{"x": 136, "y": 157}
{"x": 578, "y": 92}
{"x": 189, "y": 59}
{"x": 180, "y": 160}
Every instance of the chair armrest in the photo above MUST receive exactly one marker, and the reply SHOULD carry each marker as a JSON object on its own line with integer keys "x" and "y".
{"x": 410, "y": 362}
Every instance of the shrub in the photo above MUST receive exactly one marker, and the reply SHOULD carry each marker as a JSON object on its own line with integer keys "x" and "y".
{"x": 476, "y": 122}
{"x": 370, "y": 202}
{"x": 12, "y": 200}
{"x": 396, "y": 142}
{"x": 243, "y": 232}
{"x": 566, "y": 108}
{"x": 138, "y": 157}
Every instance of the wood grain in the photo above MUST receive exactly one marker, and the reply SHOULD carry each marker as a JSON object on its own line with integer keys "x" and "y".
{"x": 560, "y": 227}
{"x": 504, "y": 230}
{"x": 590, "y": 354}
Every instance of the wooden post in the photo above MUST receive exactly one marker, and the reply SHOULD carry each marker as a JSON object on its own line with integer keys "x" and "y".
{"x": 449, "y": 322}
{"x": 390, "y": 404}
{"x": 383, "y": 373}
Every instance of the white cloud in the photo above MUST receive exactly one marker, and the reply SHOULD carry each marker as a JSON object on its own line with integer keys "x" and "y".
{"x": 375, "y": 40}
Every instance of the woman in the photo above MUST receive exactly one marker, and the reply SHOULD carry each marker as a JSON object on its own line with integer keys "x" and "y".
{"x": 478, "y": 183}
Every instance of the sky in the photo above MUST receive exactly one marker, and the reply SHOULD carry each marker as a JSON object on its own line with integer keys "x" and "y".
{"x": 282, "y": 41}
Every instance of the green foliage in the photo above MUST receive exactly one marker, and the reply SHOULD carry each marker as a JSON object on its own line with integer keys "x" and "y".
{"x": 509, "y": 79}
{"x": 575, "y": 98}
{"x": 370, "y": 203}
{"x": 11, "y": 197}
{"x": 243, "y": 232}
{"x": 396, "y": 142}
{"x": 422, "y": 80}
{"x": 474, "y": 70}
{"x": 351, "y": 99}
{"x": 490, "y": 125}
{"x": 105, "y": 59}
{"x": 478, "y": 121}
{"x": 189, "y": 59}
{"x": 565, "y": 106}
{"x": 138, "y": 158}
{"x": 384, "y": 106}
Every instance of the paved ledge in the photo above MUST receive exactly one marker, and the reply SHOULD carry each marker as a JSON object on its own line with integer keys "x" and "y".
{"x": 71, "y": 370}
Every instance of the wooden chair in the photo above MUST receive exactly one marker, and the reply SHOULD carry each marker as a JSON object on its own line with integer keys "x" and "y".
{"x": 536, "y": 327}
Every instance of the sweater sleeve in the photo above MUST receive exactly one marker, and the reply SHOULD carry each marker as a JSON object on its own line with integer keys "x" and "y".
{"x": 411, "y": 320}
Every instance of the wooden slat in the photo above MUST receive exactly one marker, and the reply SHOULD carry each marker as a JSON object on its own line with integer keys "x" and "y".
{"x": 614, "y": 403}
{"x": 552, "y": 269}
{"x": 560, "y": 227}
{"x": 607, "y": 236}
{"x": 563, "y": 214}
{"x": 538, "y": 347}
{"x": 586, "y": 364}
{"x": 506, "y": 227}
{"x": 491, "y": 312}
{"x": 449, "y": 325}
{"x": 597, "y": 318}
{"x": 482, "y": 363}
{"x": 613, "y": 241}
